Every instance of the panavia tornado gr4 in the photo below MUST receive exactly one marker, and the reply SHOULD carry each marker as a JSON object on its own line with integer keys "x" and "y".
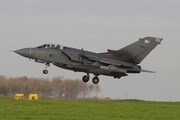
{"x": 115, "y": 63}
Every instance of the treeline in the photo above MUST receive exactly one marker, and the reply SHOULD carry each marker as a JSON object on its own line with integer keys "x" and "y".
{"x": 57, "y": 87}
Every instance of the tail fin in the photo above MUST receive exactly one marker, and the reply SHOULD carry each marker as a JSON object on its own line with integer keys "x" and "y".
{"x": 137, "y": 51}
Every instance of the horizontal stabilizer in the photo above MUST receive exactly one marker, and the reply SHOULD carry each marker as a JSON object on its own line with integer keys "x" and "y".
{"x": 148, "y": 71}
{"x": 138, "y": 71}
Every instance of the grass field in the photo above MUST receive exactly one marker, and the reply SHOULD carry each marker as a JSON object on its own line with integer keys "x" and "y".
{"x": 46, "y": 109}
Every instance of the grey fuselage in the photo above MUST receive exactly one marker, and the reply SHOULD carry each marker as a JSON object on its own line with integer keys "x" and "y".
{"x": 81, "y": 61}
{"x": 116, "y": 63}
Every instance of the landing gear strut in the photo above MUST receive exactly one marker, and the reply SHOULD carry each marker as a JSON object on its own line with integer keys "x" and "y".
{"x": 45, "y": 71}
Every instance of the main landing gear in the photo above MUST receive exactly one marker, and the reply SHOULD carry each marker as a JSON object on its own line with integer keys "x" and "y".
{"x": 45, "y": 71}
{"x": 95, "y": 80}
{"x": 85, "y": 79}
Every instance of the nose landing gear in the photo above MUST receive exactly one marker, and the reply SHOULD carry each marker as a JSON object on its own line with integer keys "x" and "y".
{"x": 45, "y": 71}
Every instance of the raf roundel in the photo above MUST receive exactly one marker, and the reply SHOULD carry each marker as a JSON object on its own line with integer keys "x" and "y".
{"x": 50, "y": 55}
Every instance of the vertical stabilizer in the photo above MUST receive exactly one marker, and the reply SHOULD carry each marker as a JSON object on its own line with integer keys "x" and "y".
{"x": 137, "y": 51}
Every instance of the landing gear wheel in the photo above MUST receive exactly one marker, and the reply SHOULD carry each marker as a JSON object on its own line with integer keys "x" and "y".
{"x": 85, "y": 78}
{"x": 45, "y": 71}
{"x": 95, "y": 80}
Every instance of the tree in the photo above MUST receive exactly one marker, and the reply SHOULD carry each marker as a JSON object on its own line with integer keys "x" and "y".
{"x": 58, "y": 87}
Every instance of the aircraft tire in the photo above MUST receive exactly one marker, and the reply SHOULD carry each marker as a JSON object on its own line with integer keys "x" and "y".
{"x": 45, "y": 71}
{"x": 95, "y": 80}
{"x": 85, "y": 78}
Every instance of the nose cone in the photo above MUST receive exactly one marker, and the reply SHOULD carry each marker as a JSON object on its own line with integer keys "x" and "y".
{"x": 26, "y": 52}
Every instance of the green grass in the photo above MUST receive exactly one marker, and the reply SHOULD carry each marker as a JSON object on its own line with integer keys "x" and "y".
{"x": 46, "y": 109}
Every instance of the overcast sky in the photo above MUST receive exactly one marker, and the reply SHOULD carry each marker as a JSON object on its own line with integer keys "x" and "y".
{"x": 96, "y": 25}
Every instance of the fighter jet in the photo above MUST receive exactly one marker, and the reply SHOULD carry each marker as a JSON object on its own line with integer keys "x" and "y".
{"x": 115, "y": 63}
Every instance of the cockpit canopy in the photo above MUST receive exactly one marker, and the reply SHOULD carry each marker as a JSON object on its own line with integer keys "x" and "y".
{"x": 55, "y": 46}
{"x": 51, "y": 46}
